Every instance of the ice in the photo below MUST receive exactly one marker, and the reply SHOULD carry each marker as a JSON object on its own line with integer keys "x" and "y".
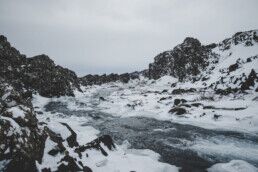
{"x": 17, "y": 112}
{"x": 233, "y": 166}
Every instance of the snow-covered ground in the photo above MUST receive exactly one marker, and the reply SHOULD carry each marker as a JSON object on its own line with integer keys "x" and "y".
{"x": 144, "y": 98}
{"x": 122, "y": 159}
{"x": 234, "y": 165}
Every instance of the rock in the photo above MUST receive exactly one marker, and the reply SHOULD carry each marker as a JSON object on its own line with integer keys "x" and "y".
{"x": 164, "y": 98}
{"x": 95, "y": 144}
{"x": 248, "y": 60}
{"x": 174, "y": 62}
{"x": 182, "y": 91}
{"x": 178, "y": 101}
{"x": 164, "y": 91}
{"x": 102, "y": 99}
{"x": 39, "y": 112}
{"x": 185, "y": 105}
{"x": 174, "y": 84}
{"x": 232, "y": 67}
{"x": 248, "y": 38}
{"x": 24, "y": 143}
{"x": 226, "y": 91}
{"x": 208, "y": 107}
{"x": 196, "y": 104}
{"x": 250, "y": 81}
{"x": 102, "y": 79}
{"x": 215, "y": 116}
{"x": 68, "y": 165}
{"x": 135, "y": 104}
{"x": 177, "y": 111}
{"x": 124, "y": 77}
{"x": 54, "y": 152}
{"x": 72, "y": 139}
{"x": 38, "y": 73}
{"x": 203, "y": 114}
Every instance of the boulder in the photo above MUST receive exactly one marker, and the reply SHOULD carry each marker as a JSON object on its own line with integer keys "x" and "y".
{"x": 178, "y": 111}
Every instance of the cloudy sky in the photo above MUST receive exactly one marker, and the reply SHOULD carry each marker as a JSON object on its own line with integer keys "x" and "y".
{"x": 104, "y": 36}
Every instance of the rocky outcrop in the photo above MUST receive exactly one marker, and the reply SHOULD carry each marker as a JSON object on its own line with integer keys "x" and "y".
{"x": 102, "y": 79}
{"x": 191, "y": 61}
{"x": 250, "y": 81}
{"x": 21, "y": 140}
{"x": 186, "y": 59}
{"x": 26, "y": 143}
{"x": 247, "y": 38}
{"x": 39, "y": 73}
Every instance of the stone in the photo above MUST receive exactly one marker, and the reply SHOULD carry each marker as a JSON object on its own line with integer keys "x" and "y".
{"x": 177, "y": 111}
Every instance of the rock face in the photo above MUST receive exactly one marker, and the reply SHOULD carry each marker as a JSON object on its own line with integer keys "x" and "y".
{"x": 186, "y": 59}
{"x": 102, "y": 79}
{"x": 25, "y": 142}
{"x": 37, "y": 73}
{"x": 224, "y": 67}
{"x": 21, "y": 140}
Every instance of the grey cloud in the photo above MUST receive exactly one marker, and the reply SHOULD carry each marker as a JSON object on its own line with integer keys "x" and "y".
{"x": 93, "y": 36}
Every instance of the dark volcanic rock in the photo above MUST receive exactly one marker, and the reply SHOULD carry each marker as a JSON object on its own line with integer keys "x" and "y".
{"x": 95, "y": 144}
{"x": 21, "y": 140}
{"x": 182, "y": 91}
{"x": 232, "y": 67}
{"x": 102, "y": 79}
{"x": 38, "y": 73}
{"x": 178, "y": 101}
{"x": 247, "y": 38}
{"x": 250, "y": 81}
{"x": 48, "y": 79}
{"x": 177, "y": 111}
{"x": 72, "y": 139}
{"x": 186, "y": 59}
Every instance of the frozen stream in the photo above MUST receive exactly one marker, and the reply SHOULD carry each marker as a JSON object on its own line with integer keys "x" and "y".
{"x": 185, "y": 146}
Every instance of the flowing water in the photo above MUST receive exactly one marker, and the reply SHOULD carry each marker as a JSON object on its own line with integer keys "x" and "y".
{"x": 190, "y": 147}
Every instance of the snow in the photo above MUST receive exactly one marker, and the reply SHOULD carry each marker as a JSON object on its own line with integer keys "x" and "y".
{"x": 166, "y": 81}
{"x": 131, "y": 160}
{"x": 226, "y": 147}
{"x": 59, "y": 129}
{"x": 233, "y": 166}
{"x": 15, "y": 128}
{"x": 121, "y": 159}
{"x": 142, "y": 100}
{"x": 141, "y": 93}
{"x": 39, "y": 101}
{"x": 16, "y": 112}
{"x": 231, "y": 56}
{"x": 147, "y": 98}
{"x": 48, "y": 160}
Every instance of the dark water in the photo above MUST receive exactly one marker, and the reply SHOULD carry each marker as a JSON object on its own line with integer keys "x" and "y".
{"x": 174, "y": 142}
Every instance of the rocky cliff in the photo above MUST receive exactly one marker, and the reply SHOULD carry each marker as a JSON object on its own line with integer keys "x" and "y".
{"x": 185, "y": 60}
{"x": 37, "y": 74}
{"x": 229, "y": 65}
{"x": 24, "y": 141}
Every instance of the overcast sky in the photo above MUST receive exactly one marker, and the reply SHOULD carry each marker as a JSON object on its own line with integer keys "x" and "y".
{"x": 93, "y": 36}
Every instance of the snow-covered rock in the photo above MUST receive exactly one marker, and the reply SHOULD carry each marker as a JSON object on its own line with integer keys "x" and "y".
{"x": 233, "y": 166}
